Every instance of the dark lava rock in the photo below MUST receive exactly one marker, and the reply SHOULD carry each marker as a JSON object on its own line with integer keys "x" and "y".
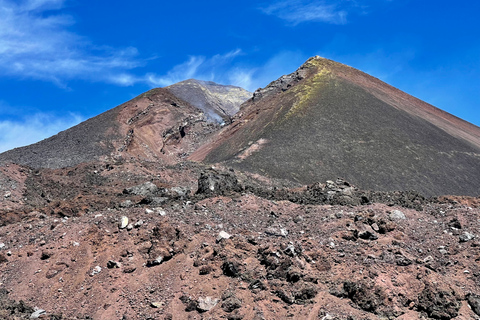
{"x": 190, "y": 304}
{"x": 231, "y": 304}
{"x": 366, "y": 297}
{"x": 439, "y": 304}
{"x": 46, "y": 255}
{"x": 231, "y": 269}
{"x": 367, "y": 235}
{"x": 474, "y": 302}
{"x": 144, "y": 189}
{"x": 217, "y": 183}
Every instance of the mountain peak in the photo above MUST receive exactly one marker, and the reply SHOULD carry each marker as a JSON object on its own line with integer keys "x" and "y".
{"x": 328, "y": 120}
{"x": 218, "y": 102}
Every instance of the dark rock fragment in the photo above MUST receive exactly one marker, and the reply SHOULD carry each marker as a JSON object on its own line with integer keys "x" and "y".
{"x": 231, "y": 303}
{"x": 438, "y": 303}
{"x": 231, "y": 269}
{"x": 474, "y": 302}
{"x": 366, "y": 297}
{"x": 217, "y": 183}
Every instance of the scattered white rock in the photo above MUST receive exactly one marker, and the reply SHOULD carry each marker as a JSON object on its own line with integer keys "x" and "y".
{"x": 7, "y": 194}
{"x": 123, "y": 222}
{"x": 149, "y": 211}
{"x": 96, "y": 270}
{"x": 397, "y": 215}
{"x": 466, "y": 236}
{"x": 206, "y": 304}
{"x": 156, "y": 304}
{"x": 2, "y": 245}
{"x": 223, "y": 235}
{"x": 138, "y": 224}
{"x": 38, "y": 312}
{"x": 160, "y": 211}
{"x": 129, "y": 226}
{"x": 442, "y": 250}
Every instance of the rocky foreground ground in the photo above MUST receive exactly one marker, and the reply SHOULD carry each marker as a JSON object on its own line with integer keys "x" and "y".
{"x": 129, "y": 241}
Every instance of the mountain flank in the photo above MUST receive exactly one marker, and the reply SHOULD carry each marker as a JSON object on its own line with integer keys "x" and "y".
{"x": 327, "y": 120}
{"x": 156, "y": 125}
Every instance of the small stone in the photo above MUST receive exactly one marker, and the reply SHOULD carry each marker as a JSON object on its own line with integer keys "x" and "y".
{"x": 96, "y": 270}
{"x": 222, "y": 235}
{"x": 231, "y": 304}
{"x": 149, "y": 211}
{"x": 375, "y": 227}
{"x": 123, "y": 222}
{"x": 129, "y": 227}
{"x": 37, "y": 313}
{"x": 126, "y": 204}
{"x": 9, "y": 253}
{"x": 129, "y": 269}
{"x": 2, "y": 245}
{"x": 7, "y": 194}
{"x": 138, "y": 224}
{"x": 156, "y": 304}
{"x": 442, "y": 250}
{"x": 113, "y": 264}
{"x": 466, "y": 236}
{"x": 397, "y": 215}
{"x": 206, "y": 304}
{"x": 160, "y": 211}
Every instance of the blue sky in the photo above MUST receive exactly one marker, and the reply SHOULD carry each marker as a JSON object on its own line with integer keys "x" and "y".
{"x": 64, "y": 61}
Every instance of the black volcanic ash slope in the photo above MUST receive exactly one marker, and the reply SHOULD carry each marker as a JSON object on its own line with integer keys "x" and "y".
{"x": 327, "y": 120}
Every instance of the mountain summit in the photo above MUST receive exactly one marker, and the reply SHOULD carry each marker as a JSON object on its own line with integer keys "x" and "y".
{"x": 218, "y": 102}
{"x": 328, "y": 120}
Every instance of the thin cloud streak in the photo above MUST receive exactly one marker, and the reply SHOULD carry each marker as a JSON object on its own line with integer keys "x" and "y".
{"x": 215, "y": 68}
{"x": 326, "y": 11}
{"x": 222, "y": 69}
{"x": 298, "y": 11}
{"x": 35, "y": 43}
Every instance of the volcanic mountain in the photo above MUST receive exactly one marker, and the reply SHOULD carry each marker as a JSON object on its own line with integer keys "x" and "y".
{"x": 327, "y": 120}
{"x": 157, "y": 125}
{"x": 218, "y": 102}
{"x": 112, "y": 220}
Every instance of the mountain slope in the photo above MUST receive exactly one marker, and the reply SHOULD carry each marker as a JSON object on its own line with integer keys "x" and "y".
{"x": 219, "y": 102}
{"x": 155, "y": 126}
{"x": 327, "y": 120}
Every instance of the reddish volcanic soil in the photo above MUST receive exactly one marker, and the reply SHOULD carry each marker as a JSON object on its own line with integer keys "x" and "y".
{"x": 235, "y": 250}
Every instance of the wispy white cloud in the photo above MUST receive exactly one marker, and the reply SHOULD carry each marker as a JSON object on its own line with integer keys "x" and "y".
{"x": 35, "y": 43}
{"x": 214, "y": 68}
{"x": 222, "y": 69}
{"x": 326, "y": 11}
{"x": 298, "y": 11}
{"x": 22, "y": 132}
